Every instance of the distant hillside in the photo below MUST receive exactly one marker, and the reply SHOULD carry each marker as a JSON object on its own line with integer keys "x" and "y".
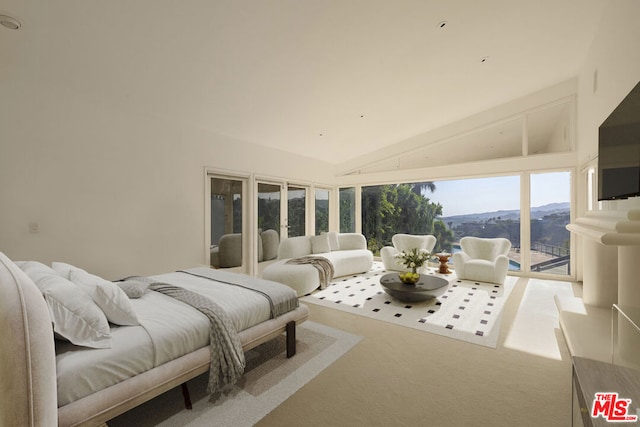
{"x": 536, "y": 213}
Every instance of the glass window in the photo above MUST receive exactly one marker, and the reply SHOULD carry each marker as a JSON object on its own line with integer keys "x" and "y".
{"x": 449, "y": 210}
{"x": 550, "y": 214}
{"x": 322, "y": 211}
{"x": 268, "y": 206}
{"x": 226, "y": 222}
{"x": 348, "y": 210}
{"x": 481, "y": 207}
{"x": 296, "y": 210}
{"x": 398, "y": 208}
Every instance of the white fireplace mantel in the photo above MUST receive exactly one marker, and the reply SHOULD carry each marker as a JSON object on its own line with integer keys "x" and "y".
{"x": 611, "y": 272}
{"x": 617, "y": 228}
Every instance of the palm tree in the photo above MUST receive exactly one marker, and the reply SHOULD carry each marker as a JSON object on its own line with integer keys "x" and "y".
{"x": 422, "y": 187}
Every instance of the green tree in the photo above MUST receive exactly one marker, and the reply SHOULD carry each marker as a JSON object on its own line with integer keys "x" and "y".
{"x": 347, "y": 210}
{"x": 322, "y": 216}
{"x": 296, "y": 216}
{"x": 269, "y": 214}
{"x": 421, "y": 188}
{"x": 392, "y": 209}
{"x": 444, "y": 236}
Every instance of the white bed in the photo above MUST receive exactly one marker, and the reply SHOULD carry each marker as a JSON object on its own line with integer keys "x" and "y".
{"x": 169, "y": 346}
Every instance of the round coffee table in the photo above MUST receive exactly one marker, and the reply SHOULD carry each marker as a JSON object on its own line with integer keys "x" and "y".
{"x": 427, "y": 287}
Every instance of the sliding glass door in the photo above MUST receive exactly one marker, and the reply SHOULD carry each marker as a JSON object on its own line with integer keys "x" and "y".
{"x": 281, "y": 210}
{"x": 282, "y": 207}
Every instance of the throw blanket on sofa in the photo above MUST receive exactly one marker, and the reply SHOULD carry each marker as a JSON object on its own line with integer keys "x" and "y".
{"x": 227, "y": 357}
{"x": 281, "y": 298}
{"x": 322, "y": 264}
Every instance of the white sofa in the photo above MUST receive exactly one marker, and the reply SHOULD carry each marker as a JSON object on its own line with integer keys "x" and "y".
{"x": 482, "y": 259}
{"x": 347, "y": 252}
{"x": 405, "y": 242}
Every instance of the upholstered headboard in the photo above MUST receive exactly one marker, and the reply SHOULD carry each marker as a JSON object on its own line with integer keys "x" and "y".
{"x": 28, "y": 395}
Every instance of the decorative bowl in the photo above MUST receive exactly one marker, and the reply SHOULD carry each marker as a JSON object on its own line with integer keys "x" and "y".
{"x": 409, "y": 278}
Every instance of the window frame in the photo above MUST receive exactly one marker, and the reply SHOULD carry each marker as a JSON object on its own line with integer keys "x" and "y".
{"x": 525, "y": 232}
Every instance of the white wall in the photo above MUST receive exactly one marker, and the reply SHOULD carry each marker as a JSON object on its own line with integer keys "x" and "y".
{"x": 558, "y": 140}
{"x": 114, "y": 191}
{"x": 613, "y": 61}
{"x": 615, "y": 58}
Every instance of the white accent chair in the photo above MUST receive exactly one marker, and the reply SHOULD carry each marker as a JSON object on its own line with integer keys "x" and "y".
{"x": 404, "y": 242}
{"x": 482, "y": 259}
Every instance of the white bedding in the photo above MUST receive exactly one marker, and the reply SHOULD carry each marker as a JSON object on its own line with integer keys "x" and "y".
{"x": 246, "y": 308}
{"x": 169, "y": 329}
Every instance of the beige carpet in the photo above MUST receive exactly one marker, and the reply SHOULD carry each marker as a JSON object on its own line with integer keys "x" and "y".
{"x": 269, "y": 379}
{"x": 399, "y": 376}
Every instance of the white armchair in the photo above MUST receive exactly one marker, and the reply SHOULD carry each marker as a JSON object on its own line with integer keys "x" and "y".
{"x": 404, "y": 242}
{"x": 484, "y": 260}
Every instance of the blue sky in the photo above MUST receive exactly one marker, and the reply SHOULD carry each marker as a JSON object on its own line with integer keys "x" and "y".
{"x": 459, "y": 197}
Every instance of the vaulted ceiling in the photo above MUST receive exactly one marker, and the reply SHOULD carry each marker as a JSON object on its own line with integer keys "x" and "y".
{"x": 328, "y": 79}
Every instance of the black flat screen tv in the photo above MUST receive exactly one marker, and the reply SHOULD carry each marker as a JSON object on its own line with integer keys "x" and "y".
{"x": 619, "y": 150}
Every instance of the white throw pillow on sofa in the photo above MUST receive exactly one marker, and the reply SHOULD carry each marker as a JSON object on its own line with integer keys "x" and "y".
{"x": 334, "y": 243}
{"x": 320, "y": 244}
{"x": 74, "y": 315}
{"x": 113, "y": 301}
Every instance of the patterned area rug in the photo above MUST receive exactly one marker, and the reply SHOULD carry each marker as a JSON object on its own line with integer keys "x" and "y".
{"x": 468, "y": 311}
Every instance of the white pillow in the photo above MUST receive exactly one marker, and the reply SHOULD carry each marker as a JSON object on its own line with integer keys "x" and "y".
{"x": 35, "y": 269}
{"x": 74, "y": 315}
{"x": 334, "y": 243}
{"x": 320, "y": 244}
{"x": 107, "y": 295}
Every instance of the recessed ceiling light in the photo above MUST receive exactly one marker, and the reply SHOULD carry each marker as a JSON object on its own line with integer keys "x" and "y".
{"x": 9, "y": 22}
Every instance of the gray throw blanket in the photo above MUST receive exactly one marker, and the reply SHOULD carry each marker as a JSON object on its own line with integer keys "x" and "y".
{"x": 227, "y": 357}
{"x": 322, "y": 264}
{"x": 282, "y": 299}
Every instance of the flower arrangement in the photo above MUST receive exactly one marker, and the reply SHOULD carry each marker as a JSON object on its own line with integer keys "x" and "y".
{"x": 413, "y": 259}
